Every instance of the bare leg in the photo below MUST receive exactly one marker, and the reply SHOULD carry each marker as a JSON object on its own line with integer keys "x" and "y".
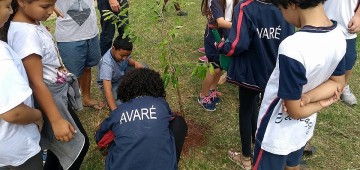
{"x": 348, "y": 74}
{"x": 210, "y": 79}
{"x": 292, "y": 168}
{"x": 85, "y": 83}
{"x": 216, "y": 79}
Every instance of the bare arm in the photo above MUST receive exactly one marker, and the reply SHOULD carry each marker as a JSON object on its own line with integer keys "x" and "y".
{"x": 318, "y": 98}
{"x": 108, "y": 94}
{"x": 63, "y": 130}
{"x": 23, "y": 115}
{"x": 325, "y": 90}
{"x": 222, "y": 23}
{"x": 135, "y": 64}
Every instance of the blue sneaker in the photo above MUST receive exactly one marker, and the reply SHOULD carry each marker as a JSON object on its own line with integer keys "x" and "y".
{"x": 44, "y": 155}
{"x": 206, "y": 103}
{"x": 214, "y": 96}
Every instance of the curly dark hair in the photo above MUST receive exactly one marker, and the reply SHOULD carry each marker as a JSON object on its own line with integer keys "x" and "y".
{"x": 303, "y": 4}
{"x": 141, "y": 82}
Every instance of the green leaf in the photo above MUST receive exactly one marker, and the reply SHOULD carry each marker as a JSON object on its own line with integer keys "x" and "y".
{"x": 107, "y": 13}
{"x": 174, "y": 81}
{"x": 166, "y": 69}
{"x": 195, "y": 71}
{"x": 166, "y": 80}
{"x": 163, "y": 43}
{"x": 108, "y": 17}
{"x": 211, "y": 68}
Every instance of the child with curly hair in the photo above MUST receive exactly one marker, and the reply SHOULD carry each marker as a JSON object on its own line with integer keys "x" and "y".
{"x": 146, "y": 133}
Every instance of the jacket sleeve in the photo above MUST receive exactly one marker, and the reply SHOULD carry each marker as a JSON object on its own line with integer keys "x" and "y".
{"x": 105, "y": 127}
{"x": 240, "y": 36}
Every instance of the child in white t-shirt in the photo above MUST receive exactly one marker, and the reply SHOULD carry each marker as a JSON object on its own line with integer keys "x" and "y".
{"x": 310, "y": 62}
{"x": 64, "y": 135}
{"x": 19, "y": 122}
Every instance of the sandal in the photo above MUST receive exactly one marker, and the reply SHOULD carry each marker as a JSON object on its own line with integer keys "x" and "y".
{"x": 309, "y": 150}
{"x": 97, "y": 105}
{"x": 238, "y": 158}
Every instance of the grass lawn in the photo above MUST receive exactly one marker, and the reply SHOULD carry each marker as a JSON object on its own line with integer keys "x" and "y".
{"x": 337, "y": 131}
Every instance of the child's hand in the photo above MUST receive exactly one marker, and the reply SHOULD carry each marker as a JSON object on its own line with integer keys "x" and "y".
{"x": 63, "y": 130}
{"x": 138, "y": 65}
{"x": 331, "y": 100}
{"x": 354, "y": 24}
{"x": 58, "y": 12}
{"x": 114, "y": 5}
{"x": 39, "y": 123}
{"x": 305, "y": 99}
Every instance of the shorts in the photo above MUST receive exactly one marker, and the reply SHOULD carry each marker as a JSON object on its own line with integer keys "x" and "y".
{"x": 264, "y": 160}
{"x": 79, "y": 55}
{"x": 210, "y": 50}
{"x": 350, "y": 55}
{"x": 35, "y": 162}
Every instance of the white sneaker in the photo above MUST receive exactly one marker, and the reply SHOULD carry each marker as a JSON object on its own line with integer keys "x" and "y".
{"x": 347, "y": 97}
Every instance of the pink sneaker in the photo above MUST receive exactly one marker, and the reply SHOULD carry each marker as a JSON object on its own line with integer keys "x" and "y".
{"x": 201, "y": 50}
{"x": 203, "y": 58}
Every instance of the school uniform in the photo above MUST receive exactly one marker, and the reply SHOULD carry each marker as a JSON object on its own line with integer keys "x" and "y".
{"x": 257, "y": 30}
{"x": 143, "y": 139}
{"x": 280, "y": 138}
{"x": 217, "y": 11}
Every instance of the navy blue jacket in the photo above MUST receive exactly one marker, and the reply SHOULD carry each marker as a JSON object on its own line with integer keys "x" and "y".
{"x": 257, "y": 30}
{"x": 142, "y": 137}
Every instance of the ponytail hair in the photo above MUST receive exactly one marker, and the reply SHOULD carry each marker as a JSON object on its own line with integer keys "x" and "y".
{"x": 205, "y": 10}
{"x": 4, "y": 30}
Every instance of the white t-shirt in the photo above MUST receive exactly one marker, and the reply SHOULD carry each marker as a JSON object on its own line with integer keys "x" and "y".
{"x": 297, "y": 71}
{"x": 27, "y": 39}
{"x": 341, "y": 11}
{"x": 79, "y": 22}
{"x": 229, "y": 10}
{"x": 18, "y": 143}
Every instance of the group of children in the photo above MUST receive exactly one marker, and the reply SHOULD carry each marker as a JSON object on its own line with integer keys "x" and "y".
{"x": 293, "y": 75}
{"x": 296, "y": 73}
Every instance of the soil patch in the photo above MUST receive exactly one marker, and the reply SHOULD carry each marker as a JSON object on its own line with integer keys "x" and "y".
{"x": 195, "y": 137}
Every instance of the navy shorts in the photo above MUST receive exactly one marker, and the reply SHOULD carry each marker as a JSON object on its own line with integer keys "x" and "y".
{"x": 210, "y": 50}
{"x": 79, "y": 55}
{"x": 350, "y": 55}
{"x": 264, "y": 160}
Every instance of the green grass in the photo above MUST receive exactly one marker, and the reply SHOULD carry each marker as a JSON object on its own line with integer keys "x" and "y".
{"x": 337, "y": 131}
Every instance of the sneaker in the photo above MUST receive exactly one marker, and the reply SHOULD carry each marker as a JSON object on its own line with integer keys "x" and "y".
{"x": 182, "y": 13}
{"x": 348, "y": 97}
{"x": 203, "y": 58}
{"x": 44, "y": 156}
{"x": 201, "y": 50}
{"x": 214, "y": 96}
{"x": 206, "y": 103}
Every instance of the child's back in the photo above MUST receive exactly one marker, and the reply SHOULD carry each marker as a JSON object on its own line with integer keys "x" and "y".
{"x": 142, "y": 125}
{"x": 142, "y": 137}
{"x": 253, "y": 45}
{"x": 306, "y": 59}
